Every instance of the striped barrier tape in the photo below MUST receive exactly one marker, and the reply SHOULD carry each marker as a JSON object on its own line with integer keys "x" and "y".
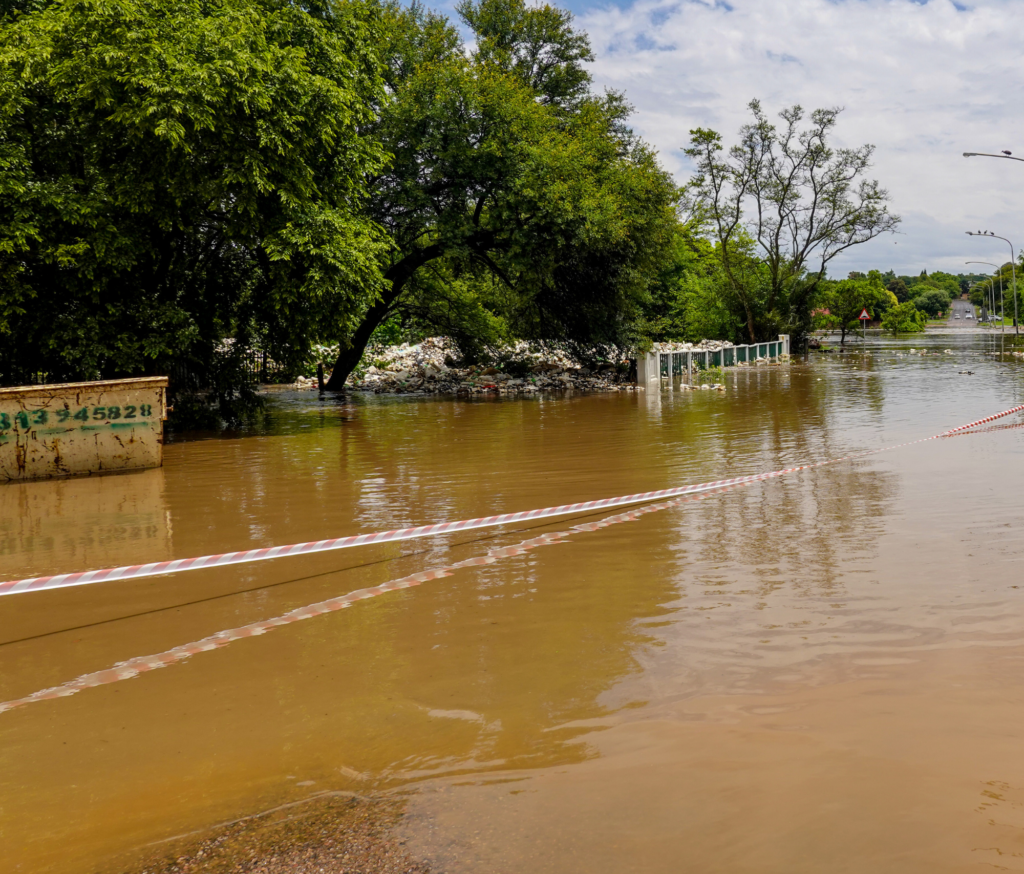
{"x": 134, "y": 667}
{"x": 131, "y": 668}
{"x": 989, "y": 430}
{"x": 128, "y": 572}
{"x": 982, "y": 421}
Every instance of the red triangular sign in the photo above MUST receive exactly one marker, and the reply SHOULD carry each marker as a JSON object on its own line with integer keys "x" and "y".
{"x": 864, "y": 315}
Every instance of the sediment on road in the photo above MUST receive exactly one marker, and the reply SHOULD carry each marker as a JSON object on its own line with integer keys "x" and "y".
{"x": 335, "y": 833}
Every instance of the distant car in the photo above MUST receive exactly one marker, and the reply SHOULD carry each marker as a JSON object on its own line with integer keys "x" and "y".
{"x": 970, "y": 315}
{"x": 957, "y": 316}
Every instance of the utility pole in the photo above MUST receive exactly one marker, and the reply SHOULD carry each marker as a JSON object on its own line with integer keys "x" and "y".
{"x": 1013, "y": 262}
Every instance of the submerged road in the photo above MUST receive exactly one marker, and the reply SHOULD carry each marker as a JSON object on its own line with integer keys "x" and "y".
{"x": 819, "y": 667}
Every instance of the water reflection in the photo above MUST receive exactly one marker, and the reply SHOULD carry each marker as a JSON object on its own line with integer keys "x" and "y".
{"x": 77, "y": 521}
{"x": 508, "y": 665}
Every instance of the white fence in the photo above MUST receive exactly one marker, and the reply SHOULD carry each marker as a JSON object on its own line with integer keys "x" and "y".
{"x": 666, "y": 365}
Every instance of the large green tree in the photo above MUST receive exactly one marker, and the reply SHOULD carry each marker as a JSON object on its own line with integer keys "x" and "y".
{"x": 801, "y": 200}
{"x": 176, "y": 173}
{"x": 845, "y": 299}
{"x": 904, "y": 318}
{"x": 510, "y": 175}
{"x": 932, "y": 301}
{"x": 686, "y": 301}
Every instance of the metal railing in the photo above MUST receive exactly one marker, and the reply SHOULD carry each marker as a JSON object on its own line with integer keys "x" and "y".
{"x": 668, "y": 365}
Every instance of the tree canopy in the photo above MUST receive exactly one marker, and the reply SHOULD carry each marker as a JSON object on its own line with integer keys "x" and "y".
{"x": 282, "y": 175}
{"x": 514, "y": 193}
{"x": 176, "y": 174}
{"x": 786, "y": 195}
{"x": 184, "y": 184}
{"x": 844, "y": 300}
{"x": 933, "y": 302}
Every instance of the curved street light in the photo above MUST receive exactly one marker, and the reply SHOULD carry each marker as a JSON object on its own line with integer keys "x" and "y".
{"x": 999, "y": 269}
{"x": 1006, "y": 156}
{"x": 1013, "y": 267}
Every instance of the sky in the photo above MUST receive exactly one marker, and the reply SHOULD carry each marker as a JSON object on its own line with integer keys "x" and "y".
{"x": 922, "y": 81}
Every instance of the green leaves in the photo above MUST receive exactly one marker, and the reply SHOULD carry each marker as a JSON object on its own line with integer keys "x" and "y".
{"x": 535, "y": 45}
{"x": 172, "y": 175}
{"x": 802, "y": 202}
{"x": 175, "y": 172}
{"x": 846, "y": 298}
{"x": 903, "y": 319}
{"x": 509, "y": 177}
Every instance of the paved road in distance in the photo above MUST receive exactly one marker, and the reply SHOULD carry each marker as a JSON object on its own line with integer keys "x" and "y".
{"x": 959, "y": 311}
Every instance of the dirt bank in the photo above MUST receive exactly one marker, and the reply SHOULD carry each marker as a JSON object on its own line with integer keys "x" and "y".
{"x": 330, "y": 834}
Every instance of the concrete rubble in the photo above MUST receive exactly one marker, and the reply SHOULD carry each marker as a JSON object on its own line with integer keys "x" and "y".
{"x": 709, "y": 345}
{"x": 429, "y": 368}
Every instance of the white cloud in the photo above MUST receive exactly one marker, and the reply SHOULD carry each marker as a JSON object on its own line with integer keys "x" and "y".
{"x": 924, "y": 82}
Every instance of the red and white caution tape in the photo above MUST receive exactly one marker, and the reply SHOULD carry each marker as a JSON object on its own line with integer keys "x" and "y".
{"x": 130, "y": 668}
{"x": 982, "y": 421}
{"x": 989, "y": 430}
{"x": 128, "y": 572}
{"x": 126, "y": 670}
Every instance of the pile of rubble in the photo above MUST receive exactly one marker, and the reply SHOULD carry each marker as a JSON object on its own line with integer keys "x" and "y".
{"x": 429, "y": 368}
{"x": 709, "y": 345}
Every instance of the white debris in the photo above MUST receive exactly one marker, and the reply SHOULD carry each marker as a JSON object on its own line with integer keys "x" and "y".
{"x": 430, "y": 367}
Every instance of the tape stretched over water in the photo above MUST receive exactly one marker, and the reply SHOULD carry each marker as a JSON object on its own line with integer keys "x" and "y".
{"x": 134, "y": 667}
{"x": 129, "y": 572}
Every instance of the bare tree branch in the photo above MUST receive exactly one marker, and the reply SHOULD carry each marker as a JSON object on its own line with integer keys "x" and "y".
{"x": 797, "y": 200}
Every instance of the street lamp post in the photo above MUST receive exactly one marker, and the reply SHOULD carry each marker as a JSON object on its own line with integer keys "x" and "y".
{"x": 991, "y": 287}
{"x": 999, "y": 269}
{"x": 1013, "y": 264}
{"x": 1006, "y": 156}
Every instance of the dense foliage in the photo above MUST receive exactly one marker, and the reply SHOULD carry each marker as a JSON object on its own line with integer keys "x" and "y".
{"x": 185, "y": 185}
{"x": 178, "y": 174}
{"x": 904, "y": 318}
{"x": 841, "y": 302}
{"x": 519, "y": 202}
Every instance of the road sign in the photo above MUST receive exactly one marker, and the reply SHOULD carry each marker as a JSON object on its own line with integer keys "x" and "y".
{"x": 864, "y": 316}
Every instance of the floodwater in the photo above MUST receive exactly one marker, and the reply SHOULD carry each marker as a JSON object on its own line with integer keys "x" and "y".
{"x": 820, "y": 672}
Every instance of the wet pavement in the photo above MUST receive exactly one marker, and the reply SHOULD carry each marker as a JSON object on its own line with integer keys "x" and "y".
{"x": 819, "y": 672}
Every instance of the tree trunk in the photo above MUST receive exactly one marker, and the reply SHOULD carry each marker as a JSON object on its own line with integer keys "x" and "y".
{"x": 398, "y": 275}
{"x": 349, "y": 358}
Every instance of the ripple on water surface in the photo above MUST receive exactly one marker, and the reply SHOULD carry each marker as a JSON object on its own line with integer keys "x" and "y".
{"x": 836, "y": 648}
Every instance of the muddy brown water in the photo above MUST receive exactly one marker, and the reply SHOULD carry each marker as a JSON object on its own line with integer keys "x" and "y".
{"x": 820, "y": 672}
